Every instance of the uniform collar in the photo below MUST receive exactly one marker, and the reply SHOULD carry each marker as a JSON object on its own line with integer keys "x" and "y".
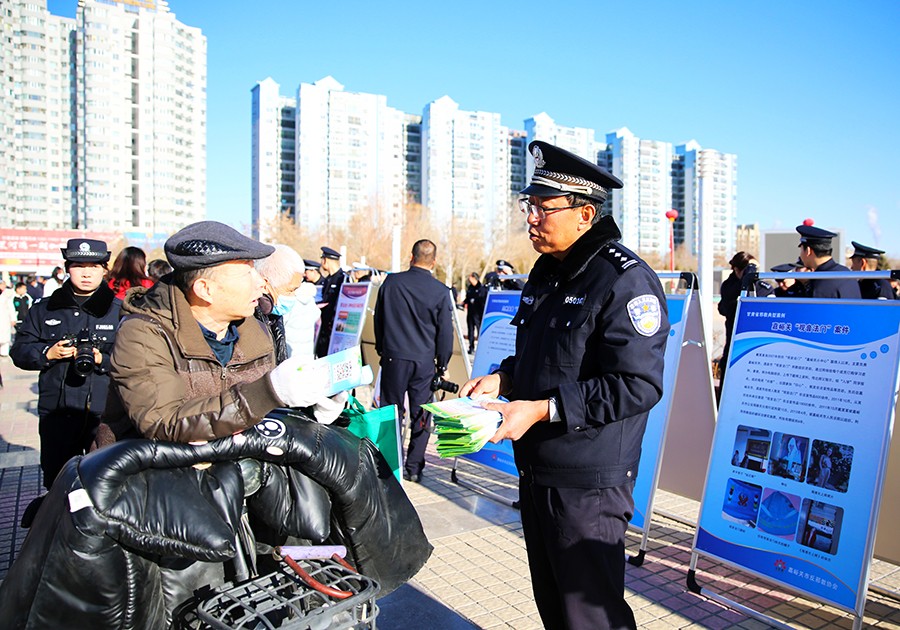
{"x": 97, "y": 304}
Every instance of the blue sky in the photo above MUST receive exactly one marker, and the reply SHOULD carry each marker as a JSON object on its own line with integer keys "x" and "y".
{"x": 805, "y": 93}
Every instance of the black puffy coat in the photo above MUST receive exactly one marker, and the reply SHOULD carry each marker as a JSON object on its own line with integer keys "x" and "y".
{"x": 129, "y": 532}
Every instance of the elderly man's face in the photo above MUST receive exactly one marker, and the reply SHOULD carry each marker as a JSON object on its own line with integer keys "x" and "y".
{"x": 556, "y": 232}
{"x": 234, "y": 288}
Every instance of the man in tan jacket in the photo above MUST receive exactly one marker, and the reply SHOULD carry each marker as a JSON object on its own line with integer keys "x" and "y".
{"x": 192, "y": 362}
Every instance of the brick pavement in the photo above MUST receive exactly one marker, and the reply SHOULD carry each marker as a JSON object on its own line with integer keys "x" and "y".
{"x": 478, "y": 574}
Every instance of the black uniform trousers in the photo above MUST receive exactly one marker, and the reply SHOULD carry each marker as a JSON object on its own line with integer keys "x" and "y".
{"x": 401, "y": 377}
{"x": 575, "y": 540}
{"x": 473, "y": 323}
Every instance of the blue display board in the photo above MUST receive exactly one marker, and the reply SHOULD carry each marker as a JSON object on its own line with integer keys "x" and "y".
{"x": 795, "y": 476}
{"x": 655, "y": 434}
{"x": 496, "y": 341}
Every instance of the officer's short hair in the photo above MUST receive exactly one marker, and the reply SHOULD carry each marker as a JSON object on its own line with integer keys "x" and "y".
{"x": 424, "y": 251}
{"x": 582, "y": 200}
{"x": 820, "y": 249}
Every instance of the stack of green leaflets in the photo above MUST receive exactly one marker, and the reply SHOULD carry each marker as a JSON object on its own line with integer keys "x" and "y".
{"x": 462, "y": 425}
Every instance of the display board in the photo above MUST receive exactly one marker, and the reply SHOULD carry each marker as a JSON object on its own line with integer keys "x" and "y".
{"x": 349, "y": 316}
{"x": 798, "y": 462}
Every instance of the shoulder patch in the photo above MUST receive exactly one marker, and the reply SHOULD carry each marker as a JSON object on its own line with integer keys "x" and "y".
{"x": 644, "y": 314}
{"x": 620, "y": 258}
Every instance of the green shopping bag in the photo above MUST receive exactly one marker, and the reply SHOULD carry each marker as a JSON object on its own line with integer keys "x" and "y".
{"x": 380, "y": 426}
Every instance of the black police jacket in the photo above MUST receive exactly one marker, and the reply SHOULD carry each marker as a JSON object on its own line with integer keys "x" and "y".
{"x": 331, "y": 291}
{"x": 414, "y": 318}
{"x": 876, "y": 289}
{"x": 828, "y": 288}
{"x": 130, "y": 531}
{"x": 49, "y": 320}
{"x": 591, "y": 332}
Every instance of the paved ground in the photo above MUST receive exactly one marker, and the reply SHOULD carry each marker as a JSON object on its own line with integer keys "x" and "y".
{"x": 478, "y": 574}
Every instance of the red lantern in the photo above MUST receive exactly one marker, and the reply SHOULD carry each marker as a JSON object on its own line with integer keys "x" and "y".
{"x": 671, "y": 215}
{"x": 808, "y": 221}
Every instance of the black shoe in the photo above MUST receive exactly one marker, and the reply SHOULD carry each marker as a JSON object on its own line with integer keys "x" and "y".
{"x": 407, "y": 476}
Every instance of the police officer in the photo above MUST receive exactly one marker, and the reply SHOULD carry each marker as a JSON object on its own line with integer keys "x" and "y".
{"x": 333, "y": 279}
{"x": 865, "y": 258}
{"x": 588, "y": 367}
{"x": 495, "y": 280}
{"x": 788, "y": 287}
{"x": 414, "y": 338}
{"x": 68, "y": 337}
{"x": 815, "y": 254}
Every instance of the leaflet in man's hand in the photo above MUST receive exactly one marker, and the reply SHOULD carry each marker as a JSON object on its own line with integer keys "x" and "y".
{"x": 344, "y": 370}
{"x": 462, "y": 425}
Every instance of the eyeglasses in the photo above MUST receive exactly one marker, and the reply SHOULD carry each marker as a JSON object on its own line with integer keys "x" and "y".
{"x": 540, "y": 212}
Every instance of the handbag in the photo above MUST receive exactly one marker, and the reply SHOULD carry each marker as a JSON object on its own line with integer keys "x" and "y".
{"x": 380, "y": 427}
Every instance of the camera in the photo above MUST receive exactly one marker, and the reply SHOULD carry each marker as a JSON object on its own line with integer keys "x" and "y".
{"x": 440, "y": 383}
{"x": 84, "y": 343}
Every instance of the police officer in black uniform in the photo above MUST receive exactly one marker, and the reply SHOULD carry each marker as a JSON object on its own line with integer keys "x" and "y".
{"x": 815, "y": 254}
{"x": 788, "y": 287}
{"x": 333, "y": 279}
{"x": 74, "y": 374}
{"x": 414, "y": 338}
{"x": 591, "y": 335}
{"x": 865, "y": 258}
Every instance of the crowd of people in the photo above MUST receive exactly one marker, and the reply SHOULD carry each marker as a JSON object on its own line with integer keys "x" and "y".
{"x": 206, "y": 343}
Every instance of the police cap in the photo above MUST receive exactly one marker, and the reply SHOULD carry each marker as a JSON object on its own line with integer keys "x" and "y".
{"x": 311, "y": 264}
{"x": 558, "y": 172}
{"x": 864, "y": 251}
{"x": 327, "y": 252}
{"x": 812, "y": 235}
{"x": 784, "y": 268}
{"x": 210, "y": 243}
{"x": 85, "y": 250}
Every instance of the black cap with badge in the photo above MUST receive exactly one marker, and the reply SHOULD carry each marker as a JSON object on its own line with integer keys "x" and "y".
{"x": 784, "y": 268}
{"x": 864, "y": 251}
{"x": 210, "y": 243}
{"x": 558, "y": 172}
{"x": 811, "y": 235}
{"x": 327, "y": 252}
{"x": 85, "y": 250}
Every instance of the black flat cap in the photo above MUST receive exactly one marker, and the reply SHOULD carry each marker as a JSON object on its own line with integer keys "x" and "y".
{"x": 327, "y": 252}
{"x": 558, "y": 172}
{"x": 810, "y": 235}
{"x": 85, "y": 250}
{"x": 311, "y": 264}
{"x": 210, "y": 243}
{"x": 864, "y": 251}
{"x": 784, "y": 267}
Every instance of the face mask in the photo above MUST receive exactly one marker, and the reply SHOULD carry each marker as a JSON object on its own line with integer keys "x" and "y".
{"x": 285, "y": 304}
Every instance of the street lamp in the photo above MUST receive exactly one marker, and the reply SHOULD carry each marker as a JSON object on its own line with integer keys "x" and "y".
{"x": 671, "y": 215}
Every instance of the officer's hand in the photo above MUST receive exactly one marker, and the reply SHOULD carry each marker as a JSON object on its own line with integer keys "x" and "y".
{"x": 60, "y": 350}
{"x": 98, "y": 358}
{"x": 518, "y": 417}
{"x": 488, "y": 385}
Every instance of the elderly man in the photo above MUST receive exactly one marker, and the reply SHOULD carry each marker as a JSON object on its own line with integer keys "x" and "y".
{"x": 865, "y": 258}
{"x": 815, "y": 254}
{"x": 191, "y": 362}
{"x": 588, "y": 367}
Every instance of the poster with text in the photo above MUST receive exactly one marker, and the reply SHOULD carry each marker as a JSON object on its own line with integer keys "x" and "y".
{"x": 654, "y": 435}
{"x": 349, "y": 316}
{"x": 801, "y": 443}
{"x": 496, "y": 341}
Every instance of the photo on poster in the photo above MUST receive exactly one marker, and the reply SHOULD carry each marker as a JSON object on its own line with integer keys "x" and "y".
{"x": 829, "y": 465}
{"x": 788, "y": 456}
{"x": 741, "y": 502}
{"x": 751, "y": 448}
{"x": 779, "y": 513}
{"x": 820, "y": 526}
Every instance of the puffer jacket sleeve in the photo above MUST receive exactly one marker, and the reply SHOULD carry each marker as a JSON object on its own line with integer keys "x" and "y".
{"x": 153, "y": 394}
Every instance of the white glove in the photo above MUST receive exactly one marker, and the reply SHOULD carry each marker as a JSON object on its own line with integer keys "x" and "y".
{"x": 297, "y": 383}
{"x": 328, "y": 409}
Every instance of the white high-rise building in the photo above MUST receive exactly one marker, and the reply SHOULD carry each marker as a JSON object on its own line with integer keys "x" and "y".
{"x": 465, "y": 165}
{"x": 705, "y": 182}
{"x": 578, "y": 140}
{"x": 350, "y": 148}
{"x": 640, "y": 207}
{"x": 273, "y": 156}
{"x": 36, "y": 151}
{"x": 140, "y": 118}
{"x": 105, "y": 122}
